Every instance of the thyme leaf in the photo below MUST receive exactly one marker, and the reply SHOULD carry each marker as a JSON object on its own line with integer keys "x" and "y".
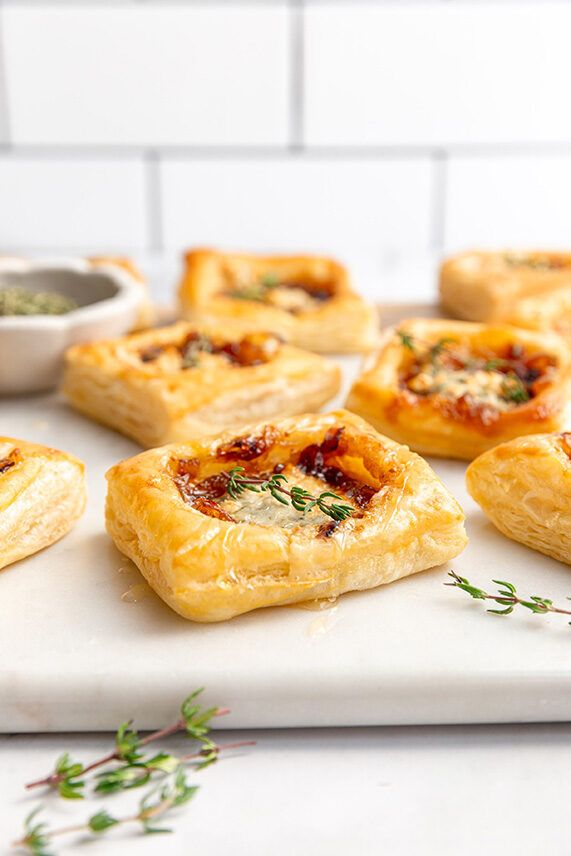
{"x": 300, "y": 498}
{"x": 506, "y": 596}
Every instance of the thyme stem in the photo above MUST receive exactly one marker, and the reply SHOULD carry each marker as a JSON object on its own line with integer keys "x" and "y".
{"x": 53, "y": 779}
{"x": 507, "y": 597}
{"x": 301, "y": 499}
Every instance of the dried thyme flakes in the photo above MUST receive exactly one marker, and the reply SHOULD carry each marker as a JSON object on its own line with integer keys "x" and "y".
{"x": 22, "y": 301}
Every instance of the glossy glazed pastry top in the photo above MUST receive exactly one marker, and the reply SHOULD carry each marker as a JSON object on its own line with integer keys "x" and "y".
{"x": 222, "y": 554}
{"x": 454, "y": 389}
{"x": 306, "y": 299}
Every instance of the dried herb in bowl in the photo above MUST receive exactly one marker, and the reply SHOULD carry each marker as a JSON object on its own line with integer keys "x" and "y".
{"x": 22, "y": 301}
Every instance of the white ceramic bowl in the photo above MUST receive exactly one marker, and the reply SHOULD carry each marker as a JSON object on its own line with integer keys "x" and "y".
{"x": 32, "y": 347}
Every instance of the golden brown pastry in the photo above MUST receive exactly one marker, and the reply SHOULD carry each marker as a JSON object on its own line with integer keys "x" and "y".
{"x": 524, "y": 487}
{"x": 308, "y": 300}
{"x": 211, "y": 556}
{"x": 455, "y": 389}
{"x": 42, "y": 494}
{"x": 146, "y": 315}
{"x": 182, "y": 381}
{"x": 531, "y": 289}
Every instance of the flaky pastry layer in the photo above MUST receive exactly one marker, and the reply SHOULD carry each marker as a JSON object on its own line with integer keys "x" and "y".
{"x": 524, "y": 487}
{"x": 42, "y": 494}
{"x": 155, "y": 400}
{"x": 210, "y": 569}
{"x": 343, "y": 323}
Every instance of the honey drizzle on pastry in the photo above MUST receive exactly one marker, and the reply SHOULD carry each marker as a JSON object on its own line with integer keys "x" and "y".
{"x": 10, "y": 461}
{"x": 467, "y": 384}
{"x": 310, "y": 466}
{"x": 253, "y": 349}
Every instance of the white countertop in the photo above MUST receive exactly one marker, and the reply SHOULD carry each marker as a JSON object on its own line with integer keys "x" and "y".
{"x": 417, "y": 791}
{"x": 451, "y": 791}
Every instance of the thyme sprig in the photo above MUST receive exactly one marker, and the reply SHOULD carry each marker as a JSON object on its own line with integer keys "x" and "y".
{"x": 132, "y": 769}
{"x": 128, "y": 744}
{"x": 507, "y": 597}
{"x": 300, "y": 498}
{"x": 512, "y": 388}
{"x": 153, "y": 806}
{"x": 434, "y": 349}
{"x": 256, "y": 290}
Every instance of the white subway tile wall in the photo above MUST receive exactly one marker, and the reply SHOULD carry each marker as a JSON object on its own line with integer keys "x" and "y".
{"x": 152, "y": 75}
{"x": 379, "y": 131}
{"x": 299, "y": 203}
{"x": 437, "y": 74}
{"x": 524, "y": 198}
{"x": 54, "y": 203}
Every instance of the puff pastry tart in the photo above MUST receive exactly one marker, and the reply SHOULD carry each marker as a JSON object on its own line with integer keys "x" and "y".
{"x": 308, "y": 300}
{"x": 455, "y": 389}
{"x": 524, "y": 487}
{"x": 212, "y": 553}
{"x": 42, "y": 494}
{"x": 181, "y": 381}
{"x": 531, "y": 290}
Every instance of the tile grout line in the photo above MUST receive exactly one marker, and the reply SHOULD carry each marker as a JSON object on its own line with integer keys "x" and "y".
{"x": 153, "y": 202}
{"x": 438, "y": 199}
{"x": 5, "y": 123}
{"x": 296, "y": 76}
{"x": 316, "y": 152}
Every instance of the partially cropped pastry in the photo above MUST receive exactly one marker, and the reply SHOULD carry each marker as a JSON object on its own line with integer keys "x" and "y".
{"x": 455, "y": 389}
{"x": 531, "y": 290}
{"x": 146, "y": 314}
{"x": 183, "y": 381}
{"x": 308, "y": 300}
{"x": 285, "y": 512}
{"x": 524, "y": 487}
{"x": 42, "y": 494}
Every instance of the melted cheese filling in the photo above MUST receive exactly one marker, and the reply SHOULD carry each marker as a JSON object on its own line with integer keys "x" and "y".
{"x": 291, "y": 299}
{"x": 263, "y": 509}
{"x": 486, "y": 387}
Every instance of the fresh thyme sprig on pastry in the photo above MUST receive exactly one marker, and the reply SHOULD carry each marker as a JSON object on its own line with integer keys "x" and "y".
{"x": 300, "y": 498}
{"x": 507, "y": 597}
{"x": 513, "y": 388}
{"x": 410, "y": 343}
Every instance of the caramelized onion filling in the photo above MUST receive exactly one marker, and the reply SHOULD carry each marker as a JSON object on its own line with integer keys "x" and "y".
{"x": 291, "y": 295}
{"x": 9, "y": 461}
{"x": 253, "y": 349}
{"x": 471, "y": 385}
{"x": 207, "y": 495}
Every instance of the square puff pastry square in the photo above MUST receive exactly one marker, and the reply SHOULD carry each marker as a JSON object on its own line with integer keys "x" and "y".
{"x": 42, "y": 494}
{"x": 211, "y": 557}
{"x": 524, "y": 487}
{"x": 455, "y": 389}
{"x": 175, "y": 382}
{"x": 308, "y": 300}
{"x": 531, "y": 289}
